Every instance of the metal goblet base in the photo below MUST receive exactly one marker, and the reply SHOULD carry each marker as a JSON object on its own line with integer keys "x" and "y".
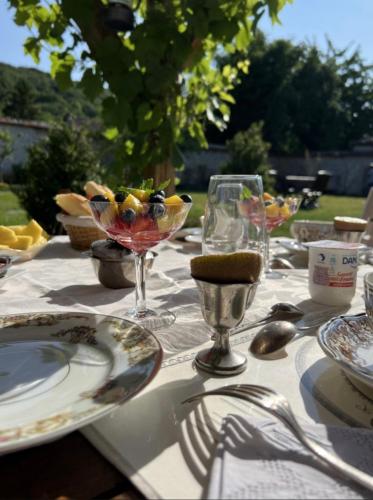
{"x": 217, "y": 363}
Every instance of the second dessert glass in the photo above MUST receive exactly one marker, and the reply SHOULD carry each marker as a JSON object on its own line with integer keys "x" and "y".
{"x": 151, "y": 225}
{"x": 277, "y": 211}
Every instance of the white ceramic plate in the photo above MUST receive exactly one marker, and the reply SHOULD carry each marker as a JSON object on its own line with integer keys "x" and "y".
{"x": 60, "y": 371}
{"x": 195, "y": 231}
{"x": 194, "y": 238}
{"x": 348, "y": 341}
{"x": 294, "y": 247}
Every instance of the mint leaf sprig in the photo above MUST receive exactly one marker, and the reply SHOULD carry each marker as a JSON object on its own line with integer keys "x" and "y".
{"x": 147, "y": 185}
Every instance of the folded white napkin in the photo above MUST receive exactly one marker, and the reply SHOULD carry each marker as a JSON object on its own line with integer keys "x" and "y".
{"x": 261, "y": 459}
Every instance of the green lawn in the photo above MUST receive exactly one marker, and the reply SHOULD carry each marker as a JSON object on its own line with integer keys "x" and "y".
{"x": 330, "y": 206}
{"x": 11, "y": 213}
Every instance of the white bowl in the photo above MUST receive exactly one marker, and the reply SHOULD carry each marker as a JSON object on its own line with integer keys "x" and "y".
{"x": 312, "y": 230}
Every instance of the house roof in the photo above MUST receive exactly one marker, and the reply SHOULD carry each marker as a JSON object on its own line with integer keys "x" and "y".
{"x": 13, "y": 122}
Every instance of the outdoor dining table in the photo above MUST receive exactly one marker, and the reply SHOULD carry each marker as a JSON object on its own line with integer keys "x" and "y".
{"x": 153, "y": 445}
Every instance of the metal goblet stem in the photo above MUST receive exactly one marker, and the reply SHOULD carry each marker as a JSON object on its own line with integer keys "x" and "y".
{"x": 223, "y": 307}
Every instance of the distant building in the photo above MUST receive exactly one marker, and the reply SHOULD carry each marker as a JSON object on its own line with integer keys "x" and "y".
{"x": 24, "y": 133}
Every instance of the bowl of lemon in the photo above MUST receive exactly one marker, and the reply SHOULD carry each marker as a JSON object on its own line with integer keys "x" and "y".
{"x": 22, "y": 242}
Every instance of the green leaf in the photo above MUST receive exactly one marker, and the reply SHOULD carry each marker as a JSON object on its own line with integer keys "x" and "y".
{"x": 32, "y": 47}
{"x": 147, "y": 184}
{"x": 111, "y": 133}
{"x": 91, "y": 83}
{"x": 227, "y": 97}
{"x": 246, "y": 193}
{"x": 61, "y": 68}
{"x": 163, "y": 185}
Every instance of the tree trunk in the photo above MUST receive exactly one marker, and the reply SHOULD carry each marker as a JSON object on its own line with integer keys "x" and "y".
{"x": 161, "y": 173}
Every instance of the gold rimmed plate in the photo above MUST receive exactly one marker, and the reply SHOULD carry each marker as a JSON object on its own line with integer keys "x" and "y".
{"x": 348, "y": 341}
{"x": 61, "y": 371}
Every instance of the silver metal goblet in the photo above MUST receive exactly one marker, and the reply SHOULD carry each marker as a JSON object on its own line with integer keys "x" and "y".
{"x": 223, "y": 307}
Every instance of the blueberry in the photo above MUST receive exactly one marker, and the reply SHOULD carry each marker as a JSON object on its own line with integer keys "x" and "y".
{"x": 156, "y": 198}
{"x": 157, "y": 210}
{"x": 119, "y": 197}
{"x": 186, "y": 198}
{"x": 161, "y": 193}
{"x": 99, "y": 197}
{"x": 128, "y": 215}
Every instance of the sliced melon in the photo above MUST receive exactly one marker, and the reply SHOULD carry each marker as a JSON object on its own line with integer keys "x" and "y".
{"x": 22, "y": 243}
{"x": 7, "y": 235}
{"x": 17, "y": 229}
{"x": 33, "y": 229}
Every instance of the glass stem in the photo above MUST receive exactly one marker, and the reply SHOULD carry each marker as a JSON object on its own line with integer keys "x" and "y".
{"x": 140, "y": 283}
{"x": 267, "y": 267}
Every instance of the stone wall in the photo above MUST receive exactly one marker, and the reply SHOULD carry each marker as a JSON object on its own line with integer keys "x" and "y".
{"x": 351, "y": 172}
{"x": 23, "y": 134}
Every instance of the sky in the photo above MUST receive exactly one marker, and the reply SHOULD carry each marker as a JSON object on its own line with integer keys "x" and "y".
{"x": 345, "y": 22}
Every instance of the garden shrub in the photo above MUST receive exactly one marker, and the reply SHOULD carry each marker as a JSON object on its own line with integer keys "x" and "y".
{"x": 62, "y": 162}
{"x": 249, "y": 154}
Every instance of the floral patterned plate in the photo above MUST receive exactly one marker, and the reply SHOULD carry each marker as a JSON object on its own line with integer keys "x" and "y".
{"x": 348, "y": 341}
{"x": 60, "y": 371}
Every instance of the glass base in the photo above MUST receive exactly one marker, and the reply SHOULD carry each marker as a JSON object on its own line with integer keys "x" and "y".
{"x": 152, "y": 319}
{"x": 274, "y": 275}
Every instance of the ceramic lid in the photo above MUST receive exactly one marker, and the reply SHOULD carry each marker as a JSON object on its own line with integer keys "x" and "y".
{"x": 333, "y": 244}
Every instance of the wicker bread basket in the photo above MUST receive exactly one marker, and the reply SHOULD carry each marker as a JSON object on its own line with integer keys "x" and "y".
{"x": 82, "y": 231}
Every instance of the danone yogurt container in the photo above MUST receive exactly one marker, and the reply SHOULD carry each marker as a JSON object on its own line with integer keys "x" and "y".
{"x": 332, "y": 270}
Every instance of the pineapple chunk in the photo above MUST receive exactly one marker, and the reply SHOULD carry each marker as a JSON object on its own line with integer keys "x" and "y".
{"x": 272, "y": 210}
{"x": 132, "y": 202}
{"x": 22, "y": 243}
{"x": 7, "y": 235}
{"x": 41, "y": 241}
{"x": 173, "y": 200}
{"x": 17, "y": 229}
{"x": 34, "y": 230}
{"x": 141, "y": 195}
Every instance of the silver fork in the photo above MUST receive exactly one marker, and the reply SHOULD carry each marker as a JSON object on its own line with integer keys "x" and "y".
{"x": 276, "y": 404}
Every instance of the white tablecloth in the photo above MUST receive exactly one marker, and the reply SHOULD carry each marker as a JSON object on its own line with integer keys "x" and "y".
{"x": 165, "y": 447}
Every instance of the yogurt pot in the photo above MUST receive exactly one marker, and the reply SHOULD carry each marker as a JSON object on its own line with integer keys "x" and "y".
{"x": 332, "y": 270}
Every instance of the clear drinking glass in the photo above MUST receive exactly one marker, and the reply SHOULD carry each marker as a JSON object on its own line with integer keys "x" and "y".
{"x": 153, "y": 223}
{"x": 234, "y": 215}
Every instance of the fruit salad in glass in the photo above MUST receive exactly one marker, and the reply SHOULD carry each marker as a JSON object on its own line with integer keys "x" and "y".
{"x": 139, "y": 219}
{"x": 277, "y": 210}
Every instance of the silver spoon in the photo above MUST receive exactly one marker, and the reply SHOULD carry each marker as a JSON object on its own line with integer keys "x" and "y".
{"x": 281, "y": 310}
{"x": 276, "y": 335}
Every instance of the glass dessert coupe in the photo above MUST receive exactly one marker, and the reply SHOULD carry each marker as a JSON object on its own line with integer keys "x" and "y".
{"x": 140, "y": 226}
{"x": 277, "y": 210}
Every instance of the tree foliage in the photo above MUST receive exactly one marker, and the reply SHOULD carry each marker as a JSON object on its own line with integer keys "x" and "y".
{"x": 20, "y": 102}
{"x": 308, "y": 99}
{"x": 249, "y": 153}
{"x": 157, "y": 81}
{"x": 51, "y": 103}
{"x": 64, "y": 161}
